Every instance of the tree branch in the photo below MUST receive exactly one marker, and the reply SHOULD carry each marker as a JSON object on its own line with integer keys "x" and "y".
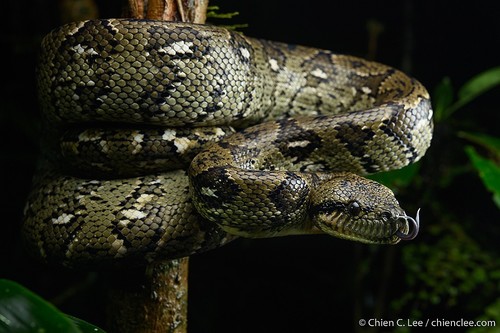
{"x": 155, "y": 300}
{"x": 194, "y": 11}
{"x": 150, "y": 301}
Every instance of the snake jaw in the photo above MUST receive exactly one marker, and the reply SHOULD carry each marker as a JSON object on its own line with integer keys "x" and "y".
{"x": 407, "y": 228}
{"x": 384, "y": 232}
{"x": 413, "y": 226}
{"x": 359, "y": 209}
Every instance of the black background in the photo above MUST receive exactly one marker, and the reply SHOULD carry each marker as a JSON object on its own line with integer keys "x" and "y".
{"x": 293, "y": 284}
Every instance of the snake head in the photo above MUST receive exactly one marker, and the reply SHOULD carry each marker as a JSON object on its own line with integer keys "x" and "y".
{"x": 355, "y": 208}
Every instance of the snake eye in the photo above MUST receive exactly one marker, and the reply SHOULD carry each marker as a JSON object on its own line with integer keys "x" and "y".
{"x": 353, "y": 208}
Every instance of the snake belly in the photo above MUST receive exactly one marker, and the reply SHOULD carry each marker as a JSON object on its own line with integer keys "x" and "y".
{"x": 129, "y": 105}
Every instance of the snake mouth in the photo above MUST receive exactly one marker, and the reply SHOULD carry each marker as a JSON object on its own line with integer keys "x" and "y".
{"x": 410, "y": 226}
{"x": 392, "y": 231}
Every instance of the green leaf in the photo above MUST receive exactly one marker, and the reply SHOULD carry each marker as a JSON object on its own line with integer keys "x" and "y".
{"x": 23, "y": 311}
{"x": 489, "y": 172}
{"x": 479, "y": 84}
{"x": 442, "y": 98}
{"x": 492, "y": 144}
{"x": 476, "y": 86}
{"x": 84, "y": 326}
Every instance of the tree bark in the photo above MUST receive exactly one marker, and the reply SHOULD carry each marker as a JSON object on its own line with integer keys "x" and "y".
{"x": 155, "y": 300}
{"x": 150, "y": 301}
{"x": 194, "y": 11}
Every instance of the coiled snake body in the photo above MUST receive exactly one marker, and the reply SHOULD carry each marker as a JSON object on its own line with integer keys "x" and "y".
{"x": 125, "y": 101}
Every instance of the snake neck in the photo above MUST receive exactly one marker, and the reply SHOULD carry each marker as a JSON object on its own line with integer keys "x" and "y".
{"x": 259, "y": 182}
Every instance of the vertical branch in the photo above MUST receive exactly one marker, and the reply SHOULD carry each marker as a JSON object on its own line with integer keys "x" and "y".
{"x": 197, "y": 13}
{"x": 194, "y": 11}
{"x": 135, "y": 9}
{"x": 155, "y": 300}
{"x": 150, "y": 301}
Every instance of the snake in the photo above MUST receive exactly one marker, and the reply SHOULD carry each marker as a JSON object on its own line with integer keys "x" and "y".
{"x": 166, "y": 139}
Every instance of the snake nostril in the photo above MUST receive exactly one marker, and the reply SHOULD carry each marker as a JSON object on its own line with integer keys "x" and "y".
{"x": 386, "y": 216}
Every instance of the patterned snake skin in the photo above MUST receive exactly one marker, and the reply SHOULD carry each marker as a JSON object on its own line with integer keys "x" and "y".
{"x": 141, "y": 161}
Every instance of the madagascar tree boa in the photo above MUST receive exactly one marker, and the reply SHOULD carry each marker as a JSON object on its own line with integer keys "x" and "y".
{"x": 141, "y": 161}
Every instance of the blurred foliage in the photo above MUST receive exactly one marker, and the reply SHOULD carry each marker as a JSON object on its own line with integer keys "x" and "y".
{"x": 453, "y": 271}
{"x": 445, "y": 106}
{"x": 215, "y": 13}
{"x": 487, "y": 167}
{"x": 23, "y": 311}
{"x": 492, "y": 312}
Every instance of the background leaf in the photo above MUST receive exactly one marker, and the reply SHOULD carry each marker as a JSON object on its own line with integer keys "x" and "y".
{"x": 489, "y": 172}
{"x": 84, "y": 326}
{"x": 443, "y": 99}
{"x": 479, "y": 84}
{"x": 476, "y": 86}
{"x": 23, "y": 311}
{"x": 492, "y": 144}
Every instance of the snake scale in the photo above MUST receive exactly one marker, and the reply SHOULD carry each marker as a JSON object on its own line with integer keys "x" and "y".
{"x": 166, "y": 139}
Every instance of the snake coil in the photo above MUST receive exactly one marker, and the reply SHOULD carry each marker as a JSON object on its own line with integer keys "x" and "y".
{"x": 167, "y": 139}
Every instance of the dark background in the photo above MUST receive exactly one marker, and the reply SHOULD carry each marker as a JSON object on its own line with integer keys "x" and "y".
{"x": 299, "y": 284}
